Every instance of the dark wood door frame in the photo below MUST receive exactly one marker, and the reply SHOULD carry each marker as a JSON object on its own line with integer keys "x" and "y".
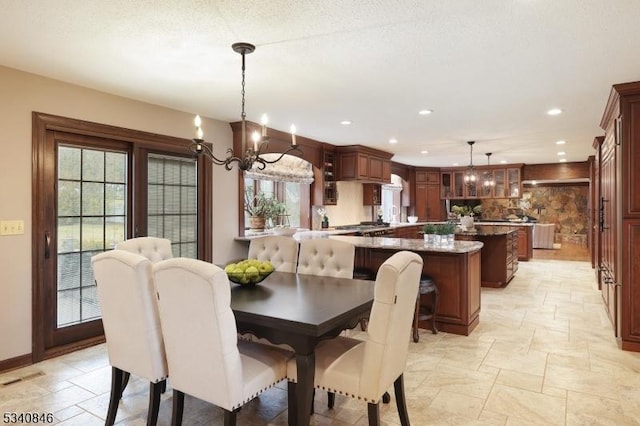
{"x": 42, "y": 125}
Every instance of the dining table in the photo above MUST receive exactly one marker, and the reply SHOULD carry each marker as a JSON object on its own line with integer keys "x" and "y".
{"x": 301, "y": 310}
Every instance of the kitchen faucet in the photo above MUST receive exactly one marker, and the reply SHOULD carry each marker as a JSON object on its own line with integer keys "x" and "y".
{"x": 393, "y": 213}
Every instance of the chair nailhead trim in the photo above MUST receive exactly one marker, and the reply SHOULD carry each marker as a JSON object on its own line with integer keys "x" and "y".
{"x": 257, "y": 393}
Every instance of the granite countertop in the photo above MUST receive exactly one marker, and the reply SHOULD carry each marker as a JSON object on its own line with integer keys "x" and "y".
{"x": 410, "y": 244}
{"x": 302, "y": 234}
{"x": 505, "y": 223}
{"x": 485, "y": 229}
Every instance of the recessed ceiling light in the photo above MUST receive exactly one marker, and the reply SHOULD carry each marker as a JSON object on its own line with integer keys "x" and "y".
{"x": 425, "y": 111}
{"x": 345, "y": 122}
{"x": 560, "y": 142}
{"x": 563, "y": 160}
{"x": 455, "y": 164}
{"x": 554, "y": 111}
{"x": 424, "y": 151}
{"x": 562, "y": 153}
{"x": 393, "y": 141}
{"x": 503, "y": 161}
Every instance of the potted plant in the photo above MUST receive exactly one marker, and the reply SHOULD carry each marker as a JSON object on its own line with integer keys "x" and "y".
{"x": 446, "y": 232}
{"x": 429, "y": 231}
{"x": 261, "y": 208}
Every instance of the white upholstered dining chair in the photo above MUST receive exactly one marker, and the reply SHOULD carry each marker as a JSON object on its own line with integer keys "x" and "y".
{"x": 153, "y": 248}
{"x": 281, "y": 251}
{"x": 204, "y": 356}
{"x": 131, "y": 326}
{"x": 326, "y": 257}
{"x": 365, "y": 369}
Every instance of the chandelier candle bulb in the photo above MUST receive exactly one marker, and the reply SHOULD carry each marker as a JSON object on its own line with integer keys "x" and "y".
{"x": 293, "y": 134}
{"x": 264, "y": 120}
{"x": 256, "y": 138}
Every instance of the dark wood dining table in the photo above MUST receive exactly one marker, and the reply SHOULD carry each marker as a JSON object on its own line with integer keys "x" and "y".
{"x": 300, "y": 311}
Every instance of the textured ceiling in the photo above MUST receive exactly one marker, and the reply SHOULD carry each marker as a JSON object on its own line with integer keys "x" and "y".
{"x": 488, "y": 69}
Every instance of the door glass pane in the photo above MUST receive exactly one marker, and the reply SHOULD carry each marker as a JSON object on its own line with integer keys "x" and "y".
{"x": 458, "y": 179}
{"x": 172, "y": 202}
{"x": 91, "y": 218}
{"x": 500, "y": 188}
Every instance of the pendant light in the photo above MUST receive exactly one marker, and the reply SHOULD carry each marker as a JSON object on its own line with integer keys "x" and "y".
{"x": 471, "y": 175}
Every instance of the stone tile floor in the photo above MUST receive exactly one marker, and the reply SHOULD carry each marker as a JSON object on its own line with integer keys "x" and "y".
{"x": 543, "y": 354}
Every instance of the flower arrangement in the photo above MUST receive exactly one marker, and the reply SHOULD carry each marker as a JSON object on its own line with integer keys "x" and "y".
{"x": 467, "y": 210}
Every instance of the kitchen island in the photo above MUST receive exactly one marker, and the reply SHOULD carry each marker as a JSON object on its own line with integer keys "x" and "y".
{"x": 455, "y": 270}
{"x": 499, "y": 253}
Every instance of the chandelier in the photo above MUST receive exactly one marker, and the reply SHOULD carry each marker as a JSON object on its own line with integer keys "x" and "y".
{"x": 252, "y": 153}
{"x": 488, "y": 176}
{"x": 471, "y": 175}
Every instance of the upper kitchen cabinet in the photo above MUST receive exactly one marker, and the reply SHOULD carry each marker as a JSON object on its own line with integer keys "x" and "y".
{"x": 507, "y": 183}
{"x": 325, "y": 187}
{"x": 514, "y": 187}
{"x": 371, "y": 194}
{"x": 357, "y": 162}
{"x": 452, "y": 185}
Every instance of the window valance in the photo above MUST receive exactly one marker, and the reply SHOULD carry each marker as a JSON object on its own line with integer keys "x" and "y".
{"x": 289, "y": 169}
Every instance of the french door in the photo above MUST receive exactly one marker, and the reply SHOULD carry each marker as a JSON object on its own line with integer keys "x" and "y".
{"x": 95, "y": 186}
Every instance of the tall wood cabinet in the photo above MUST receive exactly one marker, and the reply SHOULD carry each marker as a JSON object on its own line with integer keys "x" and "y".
{"x": 428, "y": 206}
{"x": 619, "y": 212}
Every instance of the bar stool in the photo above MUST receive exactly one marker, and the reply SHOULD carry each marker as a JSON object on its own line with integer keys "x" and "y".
{"x": 426, "y": 312}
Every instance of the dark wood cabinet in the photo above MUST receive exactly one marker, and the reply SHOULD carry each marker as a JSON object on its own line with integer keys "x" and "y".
{"x": 428, "y": 204}
{"x": 525, "y": 243}
{"x": 619, "y": 212}
{"x": 499, "y": 256}
{"x": 363, "y": 164}
{"x": 457, "y": 276}
{"x": 507, "y": 183}
{"x": 412, "y": 232}
{"x": 371, "y": 194}
{"x": 325, "y": 191}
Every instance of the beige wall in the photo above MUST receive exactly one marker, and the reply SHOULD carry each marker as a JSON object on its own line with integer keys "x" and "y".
{"x": 349, "y": 209}
{"x": 22, "y": 93}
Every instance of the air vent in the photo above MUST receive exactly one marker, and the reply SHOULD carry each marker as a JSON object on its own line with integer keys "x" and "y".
{"x": 22, "y": 379}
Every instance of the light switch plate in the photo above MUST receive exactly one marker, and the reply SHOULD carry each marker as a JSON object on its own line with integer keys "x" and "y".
{"x": 11, "y": 227}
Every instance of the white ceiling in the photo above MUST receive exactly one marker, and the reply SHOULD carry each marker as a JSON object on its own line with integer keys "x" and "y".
{"x": 489, "y": 69}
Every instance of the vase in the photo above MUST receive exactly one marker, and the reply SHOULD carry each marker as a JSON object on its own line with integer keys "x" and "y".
{"x": 256, "y": 223}
{"x": 466, "y": 222}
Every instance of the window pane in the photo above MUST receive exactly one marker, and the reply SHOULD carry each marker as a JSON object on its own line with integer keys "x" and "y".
{"x": 68, "y": 234}
{"x": 171, "y": 199}
{"x": 93, "y": 233}
{"x": 68, "y": 163}
{"x": 115, "y": 231}
{"x": 115, "y": 199}
{"x": 116, "y": 167}
{"x": 68, "y": 271}
{"x": 92, "y": 165}
{"x": 68, "y": 198}
{"x": 92, "y": 199}
{"x": 155, "y": 199}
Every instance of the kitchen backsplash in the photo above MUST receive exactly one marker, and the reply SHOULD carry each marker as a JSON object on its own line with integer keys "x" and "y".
{"x": 566, "y": 206}
{"x": 349, "y": 209}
